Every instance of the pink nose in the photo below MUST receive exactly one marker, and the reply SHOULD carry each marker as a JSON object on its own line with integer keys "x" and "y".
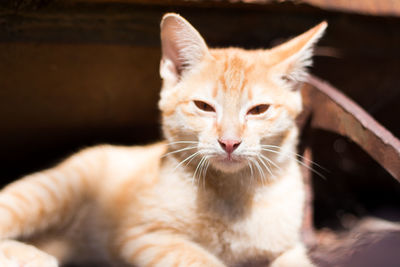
{"x": 229, "y": 145}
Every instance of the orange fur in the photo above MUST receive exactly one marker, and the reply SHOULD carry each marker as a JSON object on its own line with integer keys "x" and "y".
{"x": 222, "y": 189}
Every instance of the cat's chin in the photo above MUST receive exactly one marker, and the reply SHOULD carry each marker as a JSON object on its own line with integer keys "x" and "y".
{"x": 229, "y": 165}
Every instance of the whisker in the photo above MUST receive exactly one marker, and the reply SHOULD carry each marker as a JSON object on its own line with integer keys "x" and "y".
{"x": 194, "y": 174}
{"x": 251, "y": 168}
{"x": 183, "y": 142}
{"x": 270, "y": 161}
{"x": 298, "y": 155}
{"x": 179, "y": 150}
{"x": 200, "y": 174}
{"x": 186, "y": 159}
{"x": 265, "y": 177}
{"x": 253, "y": 178}
{"x": 299, "y": 161}
{"x": 266, "y": 167}
{"x": 262, "y": 175}
{"x": 197, "y": 168}
{"x": 207, "y": 163}
{"x": 187, "y": 163}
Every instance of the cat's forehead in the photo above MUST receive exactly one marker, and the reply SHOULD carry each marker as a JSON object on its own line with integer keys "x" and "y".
{"x": 237, "y": 70}
{"x": 234, "y": 59}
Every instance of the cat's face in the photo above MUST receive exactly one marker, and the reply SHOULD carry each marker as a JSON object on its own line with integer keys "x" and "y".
{"x": 226, "y": 106}
{"x": 231, "y": 104}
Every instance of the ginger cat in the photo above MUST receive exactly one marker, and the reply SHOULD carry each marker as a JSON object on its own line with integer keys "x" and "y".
{"x": 223, "y": 189}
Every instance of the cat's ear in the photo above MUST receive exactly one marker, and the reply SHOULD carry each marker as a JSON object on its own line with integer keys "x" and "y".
{"x": 182, "y": 47}
{"x": 295, "y": 55}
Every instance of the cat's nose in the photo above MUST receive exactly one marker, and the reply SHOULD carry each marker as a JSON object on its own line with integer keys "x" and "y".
{"x": 229, "y": 145}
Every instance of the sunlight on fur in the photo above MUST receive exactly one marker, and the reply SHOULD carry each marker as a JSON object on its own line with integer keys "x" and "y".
{"x": 223, "y": 189}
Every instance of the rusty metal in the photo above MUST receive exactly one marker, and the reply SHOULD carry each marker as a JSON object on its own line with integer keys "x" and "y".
{"x": 333, "y": 111}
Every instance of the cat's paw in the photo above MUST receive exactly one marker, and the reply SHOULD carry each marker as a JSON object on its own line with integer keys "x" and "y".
{"x": 17, "y": 254}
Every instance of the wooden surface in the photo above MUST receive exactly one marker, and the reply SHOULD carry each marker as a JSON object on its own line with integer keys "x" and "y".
{"x": 366, "y": 7}
{"x": 369, "y": 7}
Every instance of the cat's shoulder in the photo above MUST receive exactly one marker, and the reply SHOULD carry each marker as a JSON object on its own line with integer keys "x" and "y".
{"x": 112, "y": 158}
{"x": 149, "y": 149}
{"x": 124, "y": 165}
{"x": 109, "y": 150}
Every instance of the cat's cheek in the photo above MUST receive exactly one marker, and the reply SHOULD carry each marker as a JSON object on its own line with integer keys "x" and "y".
{"x": 273, "y": 123}
{"x": 195, "y": 125}
{"x": 205, "y": 127}
{"x": 196, "y": 119}
{"x": 257, "y": 127}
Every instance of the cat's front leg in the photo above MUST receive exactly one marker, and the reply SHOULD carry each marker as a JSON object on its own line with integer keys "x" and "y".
{"x": 297, "y": 256}
{"x": 16, "y": 254}
{"x": 165, "y": 249}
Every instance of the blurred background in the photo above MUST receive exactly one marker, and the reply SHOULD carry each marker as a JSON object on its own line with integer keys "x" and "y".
{"x": 75, "y": 73}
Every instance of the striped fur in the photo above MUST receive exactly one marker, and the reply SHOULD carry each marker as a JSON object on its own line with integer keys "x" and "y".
{"x": 187, "y": 201}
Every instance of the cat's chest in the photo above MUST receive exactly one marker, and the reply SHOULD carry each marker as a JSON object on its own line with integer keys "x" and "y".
{"x": 259, "y": 229}
{"x": 234, "y": 229}
{"x": 234, "y": 239}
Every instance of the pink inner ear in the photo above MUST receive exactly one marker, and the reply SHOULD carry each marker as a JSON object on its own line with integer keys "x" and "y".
{"x": 294, "y": 56}
{"x": 170, "y": 49}
{"x": 181, "y": 43}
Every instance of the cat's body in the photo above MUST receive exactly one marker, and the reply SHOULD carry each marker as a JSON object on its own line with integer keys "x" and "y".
{"x": 223, "y": 190}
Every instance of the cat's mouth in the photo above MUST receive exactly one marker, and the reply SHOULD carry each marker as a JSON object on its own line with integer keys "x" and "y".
{"x": 229, "y": 162}
{"x": 230, "y": 159}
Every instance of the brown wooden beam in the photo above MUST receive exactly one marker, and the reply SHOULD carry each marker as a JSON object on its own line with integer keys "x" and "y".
{"x": 368, "y": 7}
{"x": 333, "y": 111}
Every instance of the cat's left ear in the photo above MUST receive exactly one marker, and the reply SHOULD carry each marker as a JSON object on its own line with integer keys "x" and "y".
{"x": 182, "y": 47}
{"x": 295, "y": 55}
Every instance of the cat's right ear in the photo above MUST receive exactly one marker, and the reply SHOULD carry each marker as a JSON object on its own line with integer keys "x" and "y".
{"x": 182, "y": 47}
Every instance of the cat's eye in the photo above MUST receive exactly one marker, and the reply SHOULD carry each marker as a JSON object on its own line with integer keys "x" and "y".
{"x": 204, "y": 106}
{"x": 259, "y": 109}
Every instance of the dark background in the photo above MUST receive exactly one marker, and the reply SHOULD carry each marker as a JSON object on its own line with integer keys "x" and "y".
{"x": 79, "y": 73}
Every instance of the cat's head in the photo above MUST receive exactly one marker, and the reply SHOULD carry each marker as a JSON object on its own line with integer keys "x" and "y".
{"x": 230, "y": 106}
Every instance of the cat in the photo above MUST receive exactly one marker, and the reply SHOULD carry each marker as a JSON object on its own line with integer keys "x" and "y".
{"x": 223, "y": 189}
